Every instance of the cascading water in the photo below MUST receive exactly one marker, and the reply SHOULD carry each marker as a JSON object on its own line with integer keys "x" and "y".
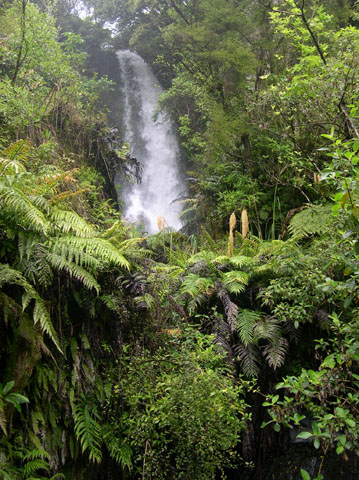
{"x": 153, "y": 143}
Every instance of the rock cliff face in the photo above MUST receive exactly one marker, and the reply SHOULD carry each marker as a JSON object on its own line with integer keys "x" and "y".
{"x": 304, "y": 456}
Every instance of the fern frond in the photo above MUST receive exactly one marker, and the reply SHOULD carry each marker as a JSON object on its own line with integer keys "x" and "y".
{"x": 40, "y": 202}
{"x": 235, "y": 281}
{"x": 268, "y": 328}
{"x": 146, "y": 300}
{"x": 230, "y": 308}
{"x": 33, "y": 262}
{"x": 274, "y": 248}
{"x": 20, "y": 209}
{"x": 40, "y": 313}
{"x": 60, "y": 197}
{"x": 309, "y": 221}
{"x": 58, "y": 246}
{"x": 75, "y": 271}
{"x": 246, "y": 322}
{"x": 121, "y": 454}
{"x": 172, "y": 270}
{"x": 11, "y": 167}
{"x": 36, "y": 453}
{"x": 97, "y": 247}
{"x": 119, "y": 449}
{"x": 88, "y": 431}
{"x": 200, "y": 299}
{"x": 221, "y": 259}
{"x": 116, "y": 228}
{"x": 292, "y": 331}
{"x": 34, "y": 460}
{"x": 111, "y": 302}
{"x": 18, "y": 151}
{"x": 249, "y": 359}
{"x": 275, "y": 352}
{"x": 240, "y": 261}
{"x": 31, "y": 467}
{"x": 68, "y": 221}
{"x": 195, "y": 285}
{"x": 207, "y": 240}
{"x": 206, "y": 255}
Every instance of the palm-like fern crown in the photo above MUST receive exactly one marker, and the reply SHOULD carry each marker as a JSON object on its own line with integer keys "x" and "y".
{"x": 311, "y": 220}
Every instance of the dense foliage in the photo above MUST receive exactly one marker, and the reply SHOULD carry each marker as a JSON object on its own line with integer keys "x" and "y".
{"x": 196, "y": 354}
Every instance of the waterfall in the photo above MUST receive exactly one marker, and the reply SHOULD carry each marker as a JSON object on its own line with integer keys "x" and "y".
{"x": 153, "y": 143}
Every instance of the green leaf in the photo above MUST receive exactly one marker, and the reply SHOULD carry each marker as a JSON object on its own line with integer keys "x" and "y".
{"x": 8, "y": 387}
{"x": 304, "y": 474}
{"x": 304, "y": 435}
{"x": 329, "y": 362}
{"x": 339, "y": 449}
{"x": 350, "y": 422}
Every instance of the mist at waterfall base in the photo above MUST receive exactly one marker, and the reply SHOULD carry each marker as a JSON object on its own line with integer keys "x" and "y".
{"x": 153, "y": 143}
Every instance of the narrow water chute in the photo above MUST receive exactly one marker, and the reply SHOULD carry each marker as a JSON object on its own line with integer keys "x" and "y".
{"x": 153, "y": 143}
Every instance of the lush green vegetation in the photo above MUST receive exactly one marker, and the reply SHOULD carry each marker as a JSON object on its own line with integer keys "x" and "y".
{"x": 187, "y": 354}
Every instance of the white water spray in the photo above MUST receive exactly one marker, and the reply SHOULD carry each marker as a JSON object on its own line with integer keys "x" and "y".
{"x": 153, "y": 143}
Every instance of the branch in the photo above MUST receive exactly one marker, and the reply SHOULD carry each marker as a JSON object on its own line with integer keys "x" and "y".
{"x": 19, "y": 60}
{"x": 314, "y": 38}
{"x": 178, "y": 10}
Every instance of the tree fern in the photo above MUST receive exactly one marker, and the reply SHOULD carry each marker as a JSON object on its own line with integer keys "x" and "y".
{"x": 309, "y": 221}
{"x": 88, "y": 430}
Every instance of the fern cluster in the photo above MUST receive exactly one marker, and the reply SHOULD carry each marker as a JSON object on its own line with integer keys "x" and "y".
{"x": 51, "y": 238}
